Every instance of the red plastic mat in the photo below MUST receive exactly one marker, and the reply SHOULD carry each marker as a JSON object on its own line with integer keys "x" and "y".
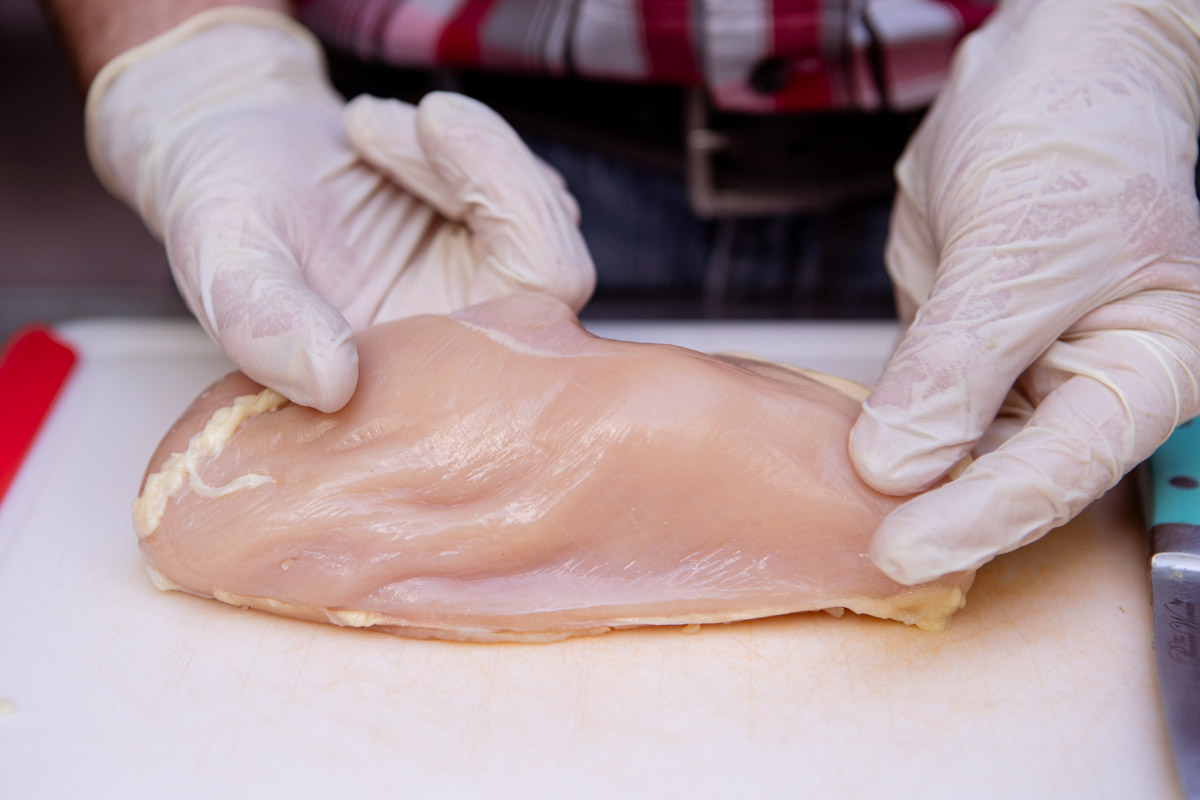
{"x": 34, "y": 365}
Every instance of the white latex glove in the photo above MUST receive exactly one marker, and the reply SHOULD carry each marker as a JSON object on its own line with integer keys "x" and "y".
{"x": 1045, "y": 240}
{"x": 291, "y": 218}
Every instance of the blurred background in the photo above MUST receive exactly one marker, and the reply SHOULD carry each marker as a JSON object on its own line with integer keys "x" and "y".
{"x": 68, "y": 250}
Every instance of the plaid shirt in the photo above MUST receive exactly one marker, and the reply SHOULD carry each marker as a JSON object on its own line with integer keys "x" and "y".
{"x": 752, "y": 55}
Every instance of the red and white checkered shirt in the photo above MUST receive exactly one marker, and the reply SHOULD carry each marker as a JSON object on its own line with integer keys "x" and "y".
{"x": 752, "y": 55}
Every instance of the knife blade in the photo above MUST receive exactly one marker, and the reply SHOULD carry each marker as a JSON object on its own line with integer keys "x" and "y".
{"x": 1174, "y": 483}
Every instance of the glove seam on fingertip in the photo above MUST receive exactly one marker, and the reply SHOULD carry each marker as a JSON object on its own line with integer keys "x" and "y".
{"x": 110, "y": 72}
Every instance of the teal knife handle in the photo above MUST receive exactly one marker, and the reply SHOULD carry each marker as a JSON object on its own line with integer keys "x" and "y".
{"x": 1175, "y": 478}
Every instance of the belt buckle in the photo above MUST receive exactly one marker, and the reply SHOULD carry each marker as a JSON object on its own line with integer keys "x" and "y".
{"x": 793, "y": 163}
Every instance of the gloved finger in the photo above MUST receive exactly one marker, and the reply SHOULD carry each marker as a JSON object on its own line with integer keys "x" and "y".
{"x": 384, "y": 133}
{"x": 943, "y": 386}
{"x": 1013, "y": 415}
{"x": 246, "y": 288}
{"x": 523, "y": 226}
{"x": 909, "y": 254}
{"x": 1007, "y": 286}
{"x": 880, "y": 441}
{"x": 1084, "y": 435}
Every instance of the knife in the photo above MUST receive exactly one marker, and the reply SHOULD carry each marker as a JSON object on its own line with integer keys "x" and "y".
{"x": 1174, "y": 510}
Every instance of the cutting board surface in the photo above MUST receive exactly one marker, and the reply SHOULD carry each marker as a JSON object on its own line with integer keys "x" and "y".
{"x": 1043, "y": 687}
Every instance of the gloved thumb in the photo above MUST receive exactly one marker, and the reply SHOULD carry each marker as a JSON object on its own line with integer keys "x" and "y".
{"x": 463, "y": 159}
{"x": 253, "y": 300}
{"x": 975, "y": 329}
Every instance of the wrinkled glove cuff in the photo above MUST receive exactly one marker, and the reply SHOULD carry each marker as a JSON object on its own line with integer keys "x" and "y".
{"x": 185, "y": 69}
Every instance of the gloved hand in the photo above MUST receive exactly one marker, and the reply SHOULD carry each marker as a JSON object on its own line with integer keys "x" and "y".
{"x": 291, "y": 218}
{"x": 1045, "y": 246}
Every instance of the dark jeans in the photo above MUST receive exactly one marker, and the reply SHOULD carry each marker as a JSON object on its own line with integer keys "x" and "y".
{"x": 654, "y": 258}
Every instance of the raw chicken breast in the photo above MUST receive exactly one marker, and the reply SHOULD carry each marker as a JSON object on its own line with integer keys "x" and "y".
{"x": 502, "y": 474}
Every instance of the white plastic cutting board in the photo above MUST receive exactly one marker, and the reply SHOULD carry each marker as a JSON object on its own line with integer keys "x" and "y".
{"x": 1043, "y": 687}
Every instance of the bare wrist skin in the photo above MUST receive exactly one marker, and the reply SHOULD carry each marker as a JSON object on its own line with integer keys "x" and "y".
{"x": 96, "y": 31}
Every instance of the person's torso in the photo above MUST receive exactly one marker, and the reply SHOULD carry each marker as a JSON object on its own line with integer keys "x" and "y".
{"x": 757, "y": 56}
